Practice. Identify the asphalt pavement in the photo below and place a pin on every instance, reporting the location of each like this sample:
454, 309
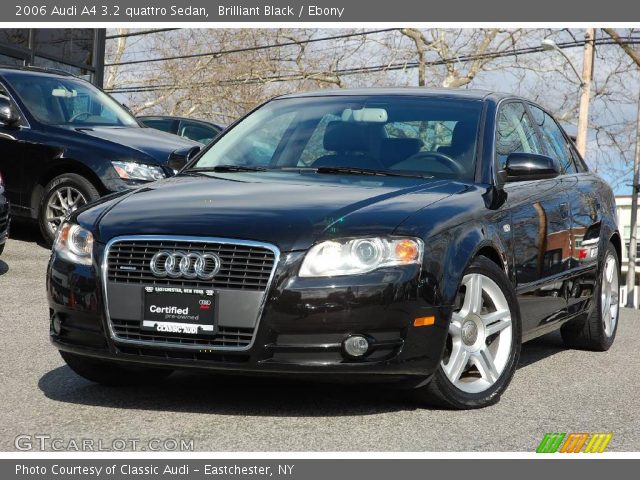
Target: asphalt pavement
44, 403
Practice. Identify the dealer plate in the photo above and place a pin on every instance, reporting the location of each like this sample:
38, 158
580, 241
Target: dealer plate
189, 311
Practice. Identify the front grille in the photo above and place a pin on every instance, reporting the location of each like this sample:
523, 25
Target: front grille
244, 267
227, 337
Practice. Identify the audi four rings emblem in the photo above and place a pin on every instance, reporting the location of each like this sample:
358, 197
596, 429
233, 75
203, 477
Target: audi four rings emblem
191, 265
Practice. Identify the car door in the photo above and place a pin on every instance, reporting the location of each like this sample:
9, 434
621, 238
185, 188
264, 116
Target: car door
540, 223
585, 207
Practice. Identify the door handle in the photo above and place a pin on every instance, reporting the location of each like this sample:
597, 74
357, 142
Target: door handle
564, 210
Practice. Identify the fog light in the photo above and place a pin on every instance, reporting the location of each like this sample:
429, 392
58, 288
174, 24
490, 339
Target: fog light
56, 322
356, 345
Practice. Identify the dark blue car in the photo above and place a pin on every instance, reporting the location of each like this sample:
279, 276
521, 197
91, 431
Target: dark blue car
65, 143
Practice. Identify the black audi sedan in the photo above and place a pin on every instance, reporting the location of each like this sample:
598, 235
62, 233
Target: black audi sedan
64, 143
410, 236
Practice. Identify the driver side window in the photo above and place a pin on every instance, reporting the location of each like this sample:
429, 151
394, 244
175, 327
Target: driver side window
514, 133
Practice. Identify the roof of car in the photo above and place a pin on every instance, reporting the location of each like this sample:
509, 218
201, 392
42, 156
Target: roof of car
38, 71
470, 94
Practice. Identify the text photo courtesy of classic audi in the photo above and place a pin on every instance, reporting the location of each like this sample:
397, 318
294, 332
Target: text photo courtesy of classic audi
409, 236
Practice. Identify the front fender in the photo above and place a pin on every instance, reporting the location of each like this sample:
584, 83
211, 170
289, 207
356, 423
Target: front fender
448, 254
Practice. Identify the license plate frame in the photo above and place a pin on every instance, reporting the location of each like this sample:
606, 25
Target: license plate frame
176, 310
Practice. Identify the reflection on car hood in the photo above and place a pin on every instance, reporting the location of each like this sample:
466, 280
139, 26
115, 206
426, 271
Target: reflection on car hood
150, 142
287, 209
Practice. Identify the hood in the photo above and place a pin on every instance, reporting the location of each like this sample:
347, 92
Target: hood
150, 144
289, 210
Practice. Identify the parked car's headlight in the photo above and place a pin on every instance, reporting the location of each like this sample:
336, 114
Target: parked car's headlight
360, 255
137, 171
74, 243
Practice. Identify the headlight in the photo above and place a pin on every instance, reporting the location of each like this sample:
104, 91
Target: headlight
74, 243
360, 255
137, 171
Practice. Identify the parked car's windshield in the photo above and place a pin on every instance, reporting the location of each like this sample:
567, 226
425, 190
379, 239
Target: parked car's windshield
396, 134
68, 101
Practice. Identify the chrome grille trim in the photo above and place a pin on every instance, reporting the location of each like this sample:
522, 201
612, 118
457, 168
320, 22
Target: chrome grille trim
219, 346
243, 267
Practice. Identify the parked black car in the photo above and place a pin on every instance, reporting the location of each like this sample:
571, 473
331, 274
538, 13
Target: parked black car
197, 130
64, 143
412, 236
4, 216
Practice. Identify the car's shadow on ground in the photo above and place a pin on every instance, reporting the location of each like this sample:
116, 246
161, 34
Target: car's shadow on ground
228, 395
239, 395
26, 231
4, 268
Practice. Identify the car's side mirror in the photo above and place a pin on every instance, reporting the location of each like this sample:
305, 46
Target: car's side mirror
8, 116
522, 166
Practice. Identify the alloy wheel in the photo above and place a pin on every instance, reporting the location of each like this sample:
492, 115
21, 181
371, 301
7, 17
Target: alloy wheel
61, 203
609, 295
480, 336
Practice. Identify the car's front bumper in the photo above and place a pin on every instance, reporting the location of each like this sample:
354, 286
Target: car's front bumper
300, 330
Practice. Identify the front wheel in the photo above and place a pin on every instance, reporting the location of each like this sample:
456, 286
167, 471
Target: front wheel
63, 195
483, 344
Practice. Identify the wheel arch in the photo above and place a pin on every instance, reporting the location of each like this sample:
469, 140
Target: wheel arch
60, 168
459, 248
616, 241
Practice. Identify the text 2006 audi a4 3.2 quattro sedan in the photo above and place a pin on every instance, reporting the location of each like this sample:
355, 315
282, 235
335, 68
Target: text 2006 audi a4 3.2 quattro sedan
412, 236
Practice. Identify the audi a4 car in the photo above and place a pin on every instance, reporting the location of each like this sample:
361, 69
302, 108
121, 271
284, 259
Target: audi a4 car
65, 143
410, 236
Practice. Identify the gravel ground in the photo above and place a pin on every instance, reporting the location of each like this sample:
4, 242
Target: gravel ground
554, 390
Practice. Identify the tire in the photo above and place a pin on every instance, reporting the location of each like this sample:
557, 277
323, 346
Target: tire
112, 374
496, 343
2, 248
596, 331
79, 187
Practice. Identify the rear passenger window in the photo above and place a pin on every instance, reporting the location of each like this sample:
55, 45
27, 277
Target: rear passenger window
514, 133
554, 140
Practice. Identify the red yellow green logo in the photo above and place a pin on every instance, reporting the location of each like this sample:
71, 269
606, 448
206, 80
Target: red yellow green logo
574, 442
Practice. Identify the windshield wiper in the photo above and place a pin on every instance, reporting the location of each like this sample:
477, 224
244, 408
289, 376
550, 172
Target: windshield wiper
366, 171
228, 168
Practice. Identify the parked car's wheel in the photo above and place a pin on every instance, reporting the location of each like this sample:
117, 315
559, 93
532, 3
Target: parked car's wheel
63, 195
112, 374
483, 345
598, 330
1, 248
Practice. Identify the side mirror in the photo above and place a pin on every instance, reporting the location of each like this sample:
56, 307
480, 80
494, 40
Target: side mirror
8, 115
530, 166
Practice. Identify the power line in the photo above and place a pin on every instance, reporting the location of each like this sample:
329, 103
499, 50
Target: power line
370, 69
142, 32
362, 70
251, 49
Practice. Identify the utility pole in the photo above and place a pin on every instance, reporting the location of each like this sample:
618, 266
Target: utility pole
585, 94
633, 242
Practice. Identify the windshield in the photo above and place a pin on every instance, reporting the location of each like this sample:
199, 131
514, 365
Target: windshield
68, 101
396, 134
